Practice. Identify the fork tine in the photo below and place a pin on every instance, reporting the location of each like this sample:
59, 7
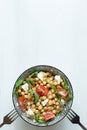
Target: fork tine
11, 112
68, 117
73, 112
14, 118
69, 114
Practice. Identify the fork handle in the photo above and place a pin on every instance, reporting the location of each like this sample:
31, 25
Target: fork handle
1, 124
83, 127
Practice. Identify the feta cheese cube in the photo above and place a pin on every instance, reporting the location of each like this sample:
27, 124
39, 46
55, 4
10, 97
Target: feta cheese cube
62, 102
25, 86
40, 75
58, 78
30, 112
44, 102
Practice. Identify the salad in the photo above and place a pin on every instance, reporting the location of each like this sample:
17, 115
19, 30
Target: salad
42, 95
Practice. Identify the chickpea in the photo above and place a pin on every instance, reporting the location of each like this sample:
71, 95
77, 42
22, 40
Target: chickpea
62, 83
39, 107
36, 111
44, 82
46, 74
51, 82
48, 80
33, 106
43, 98
50, 102
50, 108
57, 107
36, 79
29, 96
55, 83
34, 88
40, 117
45, 108
28, 103
43, 113
53, 95
42, 110
54, 111
26, 96
27, 79
41, 84
57, 103
22, 93
38, 104
50, 97
52, 91
40, 81
24, 82
33, 109
48, 85
49, 93
19, 91
53, 102
56, 99
26, 92
51, 78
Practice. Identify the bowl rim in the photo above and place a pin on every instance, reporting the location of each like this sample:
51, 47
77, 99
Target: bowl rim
37, 125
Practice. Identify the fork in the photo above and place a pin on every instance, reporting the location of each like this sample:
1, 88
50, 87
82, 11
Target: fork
9, 118
75, 119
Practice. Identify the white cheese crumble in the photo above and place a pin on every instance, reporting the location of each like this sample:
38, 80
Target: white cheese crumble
58, 78
30, 112
62, 102
25, 86
40, 75
44, 102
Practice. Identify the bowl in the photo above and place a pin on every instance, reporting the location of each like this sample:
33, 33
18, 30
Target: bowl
54, 71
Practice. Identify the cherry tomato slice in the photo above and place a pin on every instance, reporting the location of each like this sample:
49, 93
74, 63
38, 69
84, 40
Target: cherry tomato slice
49, 115
62, 92
22, 102
42, 90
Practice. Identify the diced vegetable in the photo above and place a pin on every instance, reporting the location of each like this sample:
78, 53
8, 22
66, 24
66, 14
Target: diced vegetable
22, 102
49, 115
62, 92
42, 90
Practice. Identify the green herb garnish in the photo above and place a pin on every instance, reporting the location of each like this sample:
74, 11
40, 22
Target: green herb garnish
40, 121
65, 86
35, 73
70, 96
58, 96
53, 87
36, 96
37, 116
30, 81
17, 84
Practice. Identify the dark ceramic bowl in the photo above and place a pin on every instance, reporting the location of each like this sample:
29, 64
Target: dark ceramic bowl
54, 71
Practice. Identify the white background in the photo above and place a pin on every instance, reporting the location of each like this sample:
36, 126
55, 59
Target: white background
50, 32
